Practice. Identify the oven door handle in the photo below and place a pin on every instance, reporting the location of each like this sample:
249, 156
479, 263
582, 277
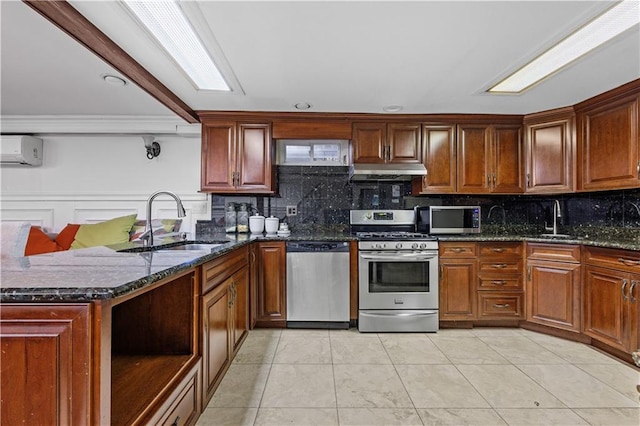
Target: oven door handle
401, 314
399, 256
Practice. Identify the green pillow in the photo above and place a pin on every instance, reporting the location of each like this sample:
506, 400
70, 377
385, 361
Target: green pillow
112, 231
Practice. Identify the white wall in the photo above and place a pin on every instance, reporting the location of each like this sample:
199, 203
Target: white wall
87, 178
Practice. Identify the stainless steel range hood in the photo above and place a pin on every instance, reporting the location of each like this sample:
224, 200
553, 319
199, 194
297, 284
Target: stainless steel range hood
388, 171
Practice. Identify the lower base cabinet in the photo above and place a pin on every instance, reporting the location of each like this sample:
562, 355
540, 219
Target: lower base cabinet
225, 315
553, 286
271, 284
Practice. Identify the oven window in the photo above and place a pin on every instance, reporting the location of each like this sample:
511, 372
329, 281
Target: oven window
398, 277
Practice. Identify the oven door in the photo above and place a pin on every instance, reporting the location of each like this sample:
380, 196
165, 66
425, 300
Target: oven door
398, 280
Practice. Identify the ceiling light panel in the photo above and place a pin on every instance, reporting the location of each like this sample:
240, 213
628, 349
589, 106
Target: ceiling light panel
613, 22
169, 26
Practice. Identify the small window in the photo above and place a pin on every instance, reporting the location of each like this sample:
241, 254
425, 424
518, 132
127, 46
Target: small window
294, 152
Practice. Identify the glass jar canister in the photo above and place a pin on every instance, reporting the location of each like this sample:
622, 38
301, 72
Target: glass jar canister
242, 219
230, 219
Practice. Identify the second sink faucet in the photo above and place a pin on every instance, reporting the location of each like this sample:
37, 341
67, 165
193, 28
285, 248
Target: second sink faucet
148, 232
557, 214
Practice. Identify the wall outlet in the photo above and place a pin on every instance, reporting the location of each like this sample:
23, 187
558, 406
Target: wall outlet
292, 210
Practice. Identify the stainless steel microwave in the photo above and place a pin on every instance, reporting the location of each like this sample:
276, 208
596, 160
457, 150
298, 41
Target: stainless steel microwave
448, 219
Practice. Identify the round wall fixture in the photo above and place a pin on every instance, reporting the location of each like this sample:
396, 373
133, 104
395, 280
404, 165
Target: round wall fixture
392, 108
114, 80
302, 105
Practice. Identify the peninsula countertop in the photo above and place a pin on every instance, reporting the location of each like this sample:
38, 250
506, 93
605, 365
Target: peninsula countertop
106, 272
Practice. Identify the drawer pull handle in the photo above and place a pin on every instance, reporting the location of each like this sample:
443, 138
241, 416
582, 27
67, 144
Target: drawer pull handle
633, 285
500, 305
499, 265
457, 249
624, 285
498, 249
499, 282
175, 422
628, 262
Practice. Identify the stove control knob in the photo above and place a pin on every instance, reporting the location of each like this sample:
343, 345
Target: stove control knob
383, 245
398, 245
414, 246
423, 245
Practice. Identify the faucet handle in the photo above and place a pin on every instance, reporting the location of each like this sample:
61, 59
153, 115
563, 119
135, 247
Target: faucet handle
145, 236
546, 227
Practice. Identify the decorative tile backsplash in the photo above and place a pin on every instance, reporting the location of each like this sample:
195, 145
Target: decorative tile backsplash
323, 197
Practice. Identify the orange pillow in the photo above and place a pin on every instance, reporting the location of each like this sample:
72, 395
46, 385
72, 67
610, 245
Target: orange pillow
65, 238
38, 242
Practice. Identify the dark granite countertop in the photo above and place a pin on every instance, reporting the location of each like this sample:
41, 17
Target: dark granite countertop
106, 273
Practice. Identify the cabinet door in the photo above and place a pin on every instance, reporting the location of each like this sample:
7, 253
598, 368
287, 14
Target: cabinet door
45, 375
218, 156
255, 163
240, 327
458, 289
271, 285
549, 156
553, 294
405, 143
369, 142
609, 145
216, 339
439, 156
507, 160
474, 150
604, 307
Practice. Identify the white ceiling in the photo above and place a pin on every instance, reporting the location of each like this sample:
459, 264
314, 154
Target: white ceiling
430, 57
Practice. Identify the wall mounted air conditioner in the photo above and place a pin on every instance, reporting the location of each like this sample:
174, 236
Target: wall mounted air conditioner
20, 150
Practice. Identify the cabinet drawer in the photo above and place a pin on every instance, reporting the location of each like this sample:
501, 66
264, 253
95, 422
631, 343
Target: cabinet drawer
183, 406
506, 266
500, 282
218, 270
504, 305
500, 249
462, 249
554, 252
623, 260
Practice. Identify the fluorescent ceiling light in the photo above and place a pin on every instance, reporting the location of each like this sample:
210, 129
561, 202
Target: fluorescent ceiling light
167, 23
614, 21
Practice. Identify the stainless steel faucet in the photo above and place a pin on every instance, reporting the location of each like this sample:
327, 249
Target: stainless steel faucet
504, 214
557, 213
148, 232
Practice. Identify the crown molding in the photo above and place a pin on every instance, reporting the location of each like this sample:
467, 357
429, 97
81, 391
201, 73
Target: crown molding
81, 124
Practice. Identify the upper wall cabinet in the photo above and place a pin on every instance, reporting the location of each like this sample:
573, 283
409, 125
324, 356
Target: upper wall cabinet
550, 151
439, 158
489, 159
608, 132
379, 142
237, 157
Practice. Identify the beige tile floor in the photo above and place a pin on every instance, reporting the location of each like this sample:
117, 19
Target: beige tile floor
484, 376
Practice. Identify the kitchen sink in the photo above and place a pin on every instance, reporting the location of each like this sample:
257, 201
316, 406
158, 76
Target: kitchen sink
191, 247
559, 236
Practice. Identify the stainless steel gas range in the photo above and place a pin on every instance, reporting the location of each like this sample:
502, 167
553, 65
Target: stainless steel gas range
398, 273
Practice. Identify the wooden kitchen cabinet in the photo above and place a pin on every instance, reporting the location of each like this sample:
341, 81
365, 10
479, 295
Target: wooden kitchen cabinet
225, 314
439, 158
553, 285
271, 284
458, 275
608, 133
46, 364
500, 287
489, 159
611, 289
550, 151
237, 157
379, 142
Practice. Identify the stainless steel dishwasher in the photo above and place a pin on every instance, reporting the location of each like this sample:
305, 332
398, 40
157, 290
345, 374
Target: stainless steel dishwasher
317, 284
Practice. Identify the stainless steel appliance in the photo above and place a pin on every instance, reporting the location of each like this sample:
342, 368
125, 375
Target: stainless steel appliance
398, 273
448, 219
317, 284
